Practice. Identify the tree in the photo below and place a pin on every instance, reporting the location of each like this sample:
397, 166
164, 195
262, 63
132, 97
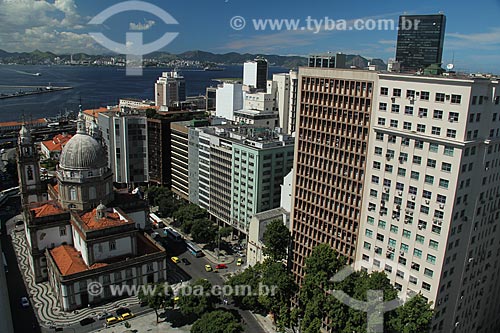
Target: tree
150, 113
196, 299
164, 199
156, 297
415, 316
217, 322
281, 289
203, 231
250, 278
224, 232
276, 240
186, 215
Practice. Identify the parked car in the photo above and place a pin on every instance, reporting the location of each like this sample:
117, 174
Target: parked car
221, 266
25, 303
239, 262
208, 268
110, 320
175, 260
125, 316
102, 315
185, 261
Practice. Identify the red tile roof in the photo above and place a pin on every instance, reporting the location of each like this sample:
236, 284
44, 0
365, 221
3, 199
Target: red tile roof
56, 188
57, 143
110, 220
48, 209
19, 123
92, 112
70, 261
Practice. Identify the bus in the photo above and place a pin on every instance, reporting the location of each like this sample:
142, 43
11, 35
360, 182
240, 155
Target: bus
171, 233
194, 250
156, 222
5, 263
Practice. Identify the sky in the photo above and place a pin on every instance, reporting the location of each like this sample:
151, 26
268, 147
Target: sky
62, 26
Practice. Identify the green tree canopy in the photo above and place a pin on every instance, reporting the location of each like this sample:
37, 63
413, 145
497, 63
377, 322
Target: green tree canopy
158, 298
217, 322
276, 240
196, 299
203, 231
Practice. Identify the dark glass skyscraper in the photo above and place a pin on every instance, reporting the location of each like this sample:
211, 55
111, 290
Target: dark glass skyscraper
420, 41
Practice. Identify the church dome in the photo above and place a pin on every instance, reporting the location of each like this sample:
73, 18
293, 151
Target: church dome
82, 152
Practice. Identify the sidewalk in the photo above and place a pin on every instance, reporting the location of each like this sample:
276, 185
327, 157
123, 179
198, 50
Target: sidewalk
265, 323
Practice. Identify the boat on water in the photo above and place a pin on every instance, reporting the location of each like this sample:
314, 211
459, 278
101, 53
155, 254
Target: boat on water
213, 68
38, 74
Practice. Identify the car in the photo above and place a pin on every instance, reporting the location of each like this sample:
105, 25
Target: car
239, 262
102, 315
125, 316
240, 254
155, 235
87, 321
185, 261
121, 311
25, 303
208, 268
176, 299
175, 260
110, 320
221, 266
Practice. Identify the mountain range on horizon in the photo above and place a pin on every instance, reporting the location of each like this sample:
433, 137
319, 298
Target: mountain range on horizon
233, 58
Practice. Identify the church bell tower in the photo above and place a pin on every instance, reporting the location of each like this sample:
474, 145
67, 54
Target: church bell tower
30, 185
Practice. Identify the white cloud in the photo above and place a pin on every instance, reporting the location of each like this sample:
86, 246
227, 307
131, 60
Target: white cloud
142, 26
26, 25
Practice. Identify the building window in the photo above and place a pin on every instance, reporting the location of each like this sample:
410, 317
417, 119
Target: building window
446, 167
401, 172
431, 163
369, 233
72, 194
112, 245
392, 243
381, 121
396, 92
436, 130
367, 245
394, 123
406, 233
407, 126
424, 95
443, 183
438, 114
29, 172
421, 128
417, 253
448, 151
381, 224
454, 117
62, 231
451, 133
384, 91
413, 280
382, 106
429, 179
431, 259
426, 286
394, 229
456, 99
428, 272
415, 175
419, 144
433, 244
395, 108
408, 110
440, 97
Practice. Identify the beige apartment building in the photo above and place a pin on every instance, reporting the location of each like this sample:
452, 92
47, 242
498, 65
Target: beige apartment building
400, 173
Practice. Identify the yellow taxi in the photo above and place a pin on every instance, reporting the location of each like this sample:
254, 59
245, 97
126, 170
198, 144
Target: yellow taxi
208, 268
175, 260
126, 315
111, 320
239, 262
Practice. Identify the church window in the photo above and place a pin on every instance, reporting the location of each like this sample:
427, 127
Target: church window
72, 194
29, 172
112, 245
62, 231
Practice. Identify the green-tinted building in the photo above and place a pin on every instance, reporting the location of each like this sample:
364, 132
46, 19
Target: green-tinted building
258, 168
